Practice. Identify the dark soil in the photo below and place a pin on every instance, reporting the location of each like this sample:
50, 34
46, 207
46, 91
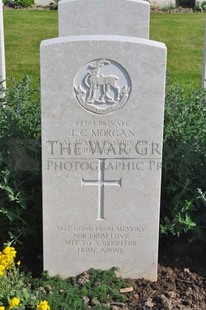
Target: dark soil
181, 281
176, 288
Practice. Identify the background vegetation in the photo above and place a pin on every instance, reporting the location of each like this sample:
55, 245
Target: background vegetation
182, 33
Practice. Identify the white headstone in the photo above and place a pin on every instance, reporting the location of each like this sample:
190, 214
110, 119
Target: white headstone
2, 48
43, 2
108, 17
102, 128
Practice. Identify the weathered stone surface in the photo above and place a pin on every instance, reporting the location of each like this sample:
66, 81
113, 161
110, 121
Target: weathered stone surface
116, 17
102, 125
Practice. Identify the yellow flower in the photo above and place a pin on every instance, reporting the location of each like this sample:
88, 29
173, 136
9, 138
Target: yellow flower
15, 301
8, 250
2, 269
43, 305
18, 264
7, 257
2, 308
3, 259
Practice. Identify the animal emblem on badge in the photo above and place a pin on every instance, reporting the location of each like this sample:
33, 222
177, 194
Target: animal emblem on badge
102, 86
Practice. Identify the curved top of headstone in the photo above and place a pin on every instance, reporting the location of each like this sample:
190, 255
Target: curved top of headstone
104, 17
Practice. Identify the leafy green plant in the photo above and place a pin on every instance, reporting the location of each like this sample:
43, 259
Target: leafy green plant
95, 288
184, 163
15, 290
20, 176
186, 3
200, 6
18, 3
54, 5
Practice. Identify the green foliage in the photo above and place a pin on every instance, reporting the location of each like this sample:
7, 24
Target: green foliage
15, 287
54, 5
18, 3
20, 111
184, 164
20, 177
200, 6
186, 3
14, 284
94, 288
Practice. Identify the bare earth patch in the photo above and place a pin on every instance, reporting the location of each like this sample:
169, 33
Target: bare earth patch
175, 289
181, 281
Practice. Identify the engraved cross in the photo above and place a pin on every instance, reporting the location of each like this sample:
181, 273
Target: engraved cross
101, 182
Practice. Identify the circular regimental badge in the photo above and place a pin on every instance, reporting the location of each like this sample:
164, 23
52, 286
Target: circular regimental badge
102, 86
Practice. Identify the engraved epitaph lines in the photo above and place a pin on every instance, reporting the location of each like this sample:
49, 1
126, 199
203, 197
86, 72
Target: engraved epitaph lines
101, 182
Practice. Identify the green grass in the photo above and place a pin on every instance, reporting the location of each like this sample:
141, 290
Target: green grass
182, 33
24, 30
